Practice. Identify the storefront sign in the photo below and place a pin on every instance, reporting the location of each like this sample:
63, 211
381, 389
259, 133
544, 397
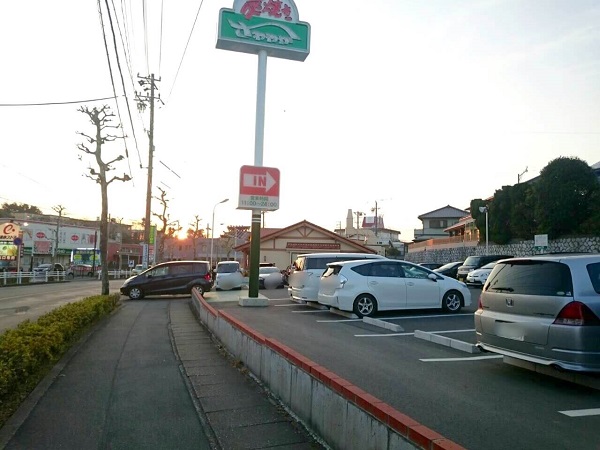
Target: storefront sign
9, 231
312, 246
270, 25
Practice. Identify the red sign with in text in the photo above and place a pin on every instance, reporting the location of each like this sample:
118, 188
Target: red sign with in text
259, 188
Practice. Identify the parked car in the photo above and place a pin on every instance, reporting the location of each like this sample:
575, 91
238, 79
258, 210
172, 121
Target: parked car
169, 278
543, 309
139, 268
228, 275
431, 266
270, 277
475, 262
366, 287
82, 270
450, 269
477, 277
304, 278
43, 268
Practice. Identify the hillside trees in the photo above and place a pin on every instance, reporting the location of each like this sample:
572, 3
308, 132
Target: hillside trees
563, 200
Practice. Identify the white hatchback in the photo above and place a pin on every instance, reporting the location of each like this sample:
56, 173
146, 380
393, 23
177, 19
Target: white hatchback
366, 287
478, 277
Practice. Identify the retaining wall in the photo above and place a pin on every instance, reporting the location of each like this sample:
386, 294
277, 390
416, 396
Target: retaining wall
343, 415
522, 248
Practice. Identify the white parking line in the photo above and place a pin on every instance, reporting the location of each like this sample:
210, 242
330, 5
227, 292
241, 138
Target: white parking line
384, 335
582, 412
472, 358
425, 317
339, 320
308, 312
287, 304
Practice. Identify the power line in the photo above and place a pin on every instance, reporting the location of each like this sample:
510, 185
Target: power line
61, 103
186, 47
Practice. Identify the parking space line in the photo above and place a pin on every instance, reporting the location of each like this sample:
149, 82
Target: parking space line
425, 317
288, 304
384, 335
339, 320
472, 358
309, 312
582, 412
450, 331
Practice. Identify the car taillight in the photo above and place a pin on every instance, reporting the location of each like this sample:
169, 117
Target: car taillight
576, 314
207, 277
479, 304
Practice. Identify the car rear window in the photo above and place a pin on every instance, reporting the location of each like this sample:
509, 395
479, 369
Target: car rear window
472, 261
531, 278
227, 268
594, 273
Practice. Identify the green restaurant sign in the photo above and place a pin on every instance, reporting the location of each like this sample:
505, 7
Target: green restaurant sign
270, 25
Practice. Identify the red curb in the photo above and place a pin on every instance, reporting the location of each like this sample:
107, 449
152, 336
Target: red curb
351, 391
213, 312
423, 436
338, 384
400, 422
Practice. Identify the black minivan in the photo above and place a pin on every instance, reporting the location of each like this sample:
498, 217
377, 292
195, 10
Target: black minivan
475, 262
170, 278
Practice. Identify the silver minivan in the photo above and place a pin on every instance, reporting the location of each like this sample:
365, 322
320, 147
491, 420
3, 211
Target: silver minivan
543, 309
305, 277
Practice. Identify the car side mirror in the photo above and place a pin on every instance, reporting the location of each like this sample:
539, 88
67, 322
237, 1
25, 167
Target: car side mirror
433, 277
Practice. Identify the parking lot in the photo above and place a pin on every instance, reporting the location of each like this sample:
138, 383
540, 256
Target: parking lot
475, 399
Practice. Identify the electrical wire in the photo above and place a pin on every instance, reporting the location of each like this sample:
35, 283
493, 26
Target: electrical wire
122, 80
162, 4
112, 29
59, 103
186, 47
145, 18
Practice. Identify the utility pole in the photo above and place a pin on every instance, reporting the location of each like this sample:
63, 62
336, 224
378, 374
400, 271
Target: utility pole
358, 215
59, 209
148, 84
520, 175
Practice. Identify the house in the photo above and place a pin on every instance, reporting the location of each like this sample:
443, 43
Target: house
436, 223
282, 246
373, 234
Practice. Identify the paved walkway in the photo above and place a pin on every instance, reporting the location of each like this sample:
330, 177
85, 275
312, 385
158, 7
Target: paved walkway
150, 377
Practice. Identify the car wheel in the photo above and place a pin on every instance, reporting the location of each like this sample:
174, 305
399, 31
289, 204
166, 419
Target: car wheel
452, 301
199, 288
365, 305
135, 293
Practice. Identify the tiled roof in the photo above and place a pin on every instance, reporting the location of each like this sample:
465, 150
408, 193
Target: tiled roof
444, 213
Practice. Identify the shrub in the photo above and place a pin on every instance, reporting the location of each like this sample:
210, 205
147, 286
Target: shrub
29, 351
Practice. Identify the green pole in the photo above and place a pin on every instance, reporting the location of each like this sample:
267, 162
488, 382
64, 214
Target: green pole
254, 255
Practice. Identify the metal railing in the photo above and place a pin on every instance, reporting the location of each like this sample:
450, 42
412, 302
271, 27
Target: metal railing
15, 278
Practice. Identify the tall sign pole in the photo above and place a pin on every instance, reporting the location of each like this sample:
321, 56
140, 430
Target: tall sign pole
266, 28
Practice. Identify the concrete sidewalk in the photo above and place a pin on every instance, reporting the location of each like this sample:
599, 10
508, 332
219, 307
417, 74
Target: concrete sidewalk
150, 377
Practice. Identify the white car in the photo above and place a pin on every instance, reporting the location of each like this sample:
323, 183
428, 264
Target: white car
366, 287
228, 275
479, 276
139, 268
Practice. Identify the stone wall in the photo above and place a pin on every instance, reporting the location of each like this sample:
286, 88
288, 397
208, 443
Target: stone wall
522, 248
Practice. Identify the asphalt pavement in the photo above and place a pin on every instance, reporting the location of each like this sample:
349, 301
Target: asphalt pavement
151, 377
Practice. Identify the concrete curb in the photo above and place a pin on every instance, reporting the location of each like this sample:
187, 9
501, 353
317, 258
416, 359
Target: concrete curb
446, 341
342, 414
383, 324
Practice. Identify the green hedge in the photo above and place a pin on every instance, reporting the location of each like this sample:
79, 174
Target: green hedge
29, 351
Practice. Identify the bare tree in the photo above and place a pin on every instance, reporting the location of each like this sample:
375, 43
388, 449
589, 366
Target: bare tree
101, 119
194, 233
167, 230
234, 236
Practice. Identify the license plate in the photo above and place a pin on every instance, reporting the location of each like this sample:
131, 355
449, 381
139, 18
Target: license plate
509, 331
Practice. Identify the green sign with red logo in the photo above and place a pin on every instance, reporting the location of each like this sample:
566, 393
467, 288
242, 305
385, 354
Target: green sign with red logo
271, 25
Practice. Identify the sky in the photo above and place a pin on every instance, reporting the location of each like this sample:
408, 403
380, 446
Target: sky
404, 104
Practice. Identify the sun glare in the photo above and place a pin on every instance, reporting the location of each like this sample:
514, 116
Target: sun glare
181, 235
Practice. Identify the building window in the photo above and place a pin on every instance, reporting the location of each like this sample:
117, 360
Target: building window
438, 223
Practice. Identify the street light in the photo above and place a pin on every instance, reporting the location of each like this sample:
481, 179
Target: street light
485, 209
212, 232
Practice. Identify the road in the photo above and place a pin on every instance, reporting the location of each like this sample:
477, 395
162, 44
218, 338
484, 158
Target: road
19, 303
